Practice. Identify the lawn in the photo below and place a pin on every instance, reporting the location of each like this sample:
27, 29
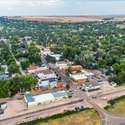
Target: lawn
117, 106
86, 117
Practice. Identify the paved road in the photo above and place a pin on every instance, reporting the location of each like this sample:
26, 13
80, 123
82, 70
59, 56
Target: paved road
107, 118
116, 91
38, 113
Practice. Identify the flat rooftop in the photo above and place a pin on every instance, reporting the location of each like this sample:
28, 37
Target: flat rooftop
45, 97
78, 76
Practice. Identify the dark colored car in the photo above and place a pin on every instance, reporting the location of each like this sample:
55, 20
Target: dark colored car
1, 111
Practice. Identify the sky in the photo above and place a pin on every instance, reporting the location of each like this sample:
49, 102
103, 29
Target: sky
61, 7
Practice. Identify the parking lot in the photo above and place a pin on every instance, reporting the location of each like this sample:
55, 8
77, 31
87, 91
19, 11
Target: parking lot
13, 107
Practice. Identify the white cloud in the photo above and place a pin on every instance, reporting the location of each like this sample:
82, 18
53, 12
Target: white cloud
61, 7
36, 2
24, 4
8, 2
43, 2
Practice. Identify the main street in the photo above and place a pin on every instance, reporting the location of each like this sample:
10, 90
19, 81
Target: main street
40, 113
107, 118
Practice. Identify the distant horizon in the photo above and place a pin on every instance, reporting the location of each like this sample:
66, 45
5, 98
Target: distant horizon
113, 15
62, 7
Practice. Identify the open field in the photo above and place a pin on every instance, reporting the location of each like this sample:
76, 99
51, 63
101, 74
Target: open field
86, 117
117, 106
69, 18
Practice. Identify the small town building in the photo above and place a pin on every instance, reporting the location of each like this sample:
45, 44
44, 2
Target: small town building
68, 65
62, 65
59, 95
36, 69
4, 75
47, 79
38, 100
47, 83
60, 85
56, 56
90, 86
44, 99
43, 83
78, 78
87, 73
76, 68
46, 74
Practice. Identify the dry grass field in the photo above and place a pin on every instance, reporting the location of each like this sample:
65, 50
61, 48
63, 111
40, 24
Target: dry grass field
64, 18
68, 19
118, 108
87, 117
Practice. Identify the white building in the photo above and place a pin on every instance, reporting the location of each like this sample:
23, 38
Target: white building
39, 99
62, 65
90, 87
47, 83
45, 75
88, 74
47, 78
56, 56
44, 99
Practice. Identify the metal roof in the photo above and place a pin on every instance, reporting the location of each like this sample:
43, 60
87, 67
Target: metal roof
29, 98
58, 94
44, 98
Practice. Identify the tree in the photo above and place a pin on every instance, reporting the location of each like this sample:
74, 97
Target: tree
119, 71
22, 82
25, 64
13, 68
34, 55
4, 88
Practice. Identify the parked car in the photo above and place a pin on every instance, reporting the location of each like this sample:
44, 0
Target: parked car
1, 111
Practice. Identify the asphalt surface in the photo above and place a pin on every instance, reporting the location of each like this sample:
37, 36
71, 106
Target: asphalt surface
106, 117
30, 115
